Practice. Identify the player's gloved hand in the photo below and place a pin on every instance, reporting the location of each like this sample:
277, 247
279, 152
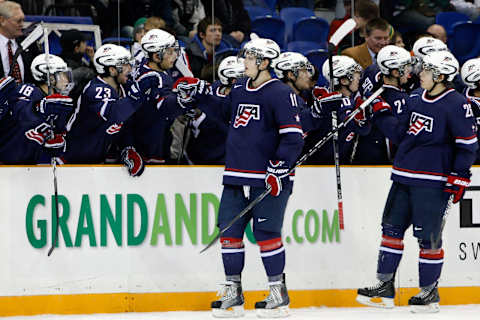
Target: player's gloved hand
40, 134
361, 117
275, 172
134, 92
379, 106
57, 107
325, 102
133, 161
56, 142
188, 88
456, 185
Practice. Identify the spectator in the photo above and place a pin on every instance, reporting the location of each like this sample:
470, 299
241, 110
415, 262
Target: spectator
397, 40
234, 19
138, 33
74, 49
201, 49
438, 32
377, 33
186, 16
11, 23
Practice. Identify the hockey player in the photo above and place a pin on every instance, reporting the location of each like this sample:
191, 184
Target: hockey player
436, 138
470, 74
34, 127
264, 140
207, 145
394, 64
148, 130
106, 102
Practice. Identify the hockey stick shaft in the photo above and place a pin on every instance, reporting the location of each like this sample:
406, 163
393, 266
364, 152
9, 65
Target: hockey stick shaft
336, 155
31, 38
299, 162
185, 138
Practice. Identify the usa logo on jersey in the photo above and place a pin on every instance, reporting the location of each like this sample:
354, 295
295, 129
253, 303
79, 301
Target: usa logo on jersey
419, 122
246, 112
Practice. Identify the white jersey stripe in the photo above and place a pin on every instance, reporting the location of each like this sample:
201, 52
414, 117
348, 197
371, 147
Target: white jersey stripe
244, 174
290, 130
466, 141
272, 253
418, 175
396, 251
232, 250
430, 261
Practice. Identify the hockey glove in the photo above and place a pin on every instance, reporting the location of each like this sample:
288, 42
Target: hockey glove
361, 117
134, 92
58, 107
276, 170
40, 134
133, 161
187, 88
324, 102
379, 106
456, 185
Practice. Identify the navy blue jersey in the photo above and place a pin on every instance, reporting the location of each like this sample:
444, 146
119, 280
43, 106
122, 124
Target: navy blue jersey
148, 130
370, 79
375, 148
475, 103
435, 136
98, 119
264, 125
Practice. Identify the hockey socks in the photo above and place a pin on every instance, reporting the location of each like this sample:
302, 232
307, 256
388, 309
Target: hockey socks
272, 252
389, 256
430, 266
233, 255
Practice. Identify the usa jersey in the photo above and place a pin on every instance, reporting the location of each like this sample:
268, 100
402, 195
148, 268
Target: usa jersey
264, 125
148, 130
375, 148
475, 103
435, 136
370, 79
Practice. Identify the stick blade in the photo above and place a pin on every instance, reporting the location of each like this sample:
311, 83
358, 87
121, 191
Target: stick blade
341, 32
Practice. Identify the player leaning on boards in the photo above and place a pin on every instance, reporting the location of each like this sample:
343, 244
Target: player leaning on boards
470, 74
264, 140
437, 143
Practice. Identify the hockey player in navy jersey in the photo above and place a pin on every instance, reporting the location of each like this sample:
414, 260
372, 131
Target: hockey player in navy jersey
394, 64
148, 130
207, 145
105, 104
264, 141
34, 127
437, 143
470, 74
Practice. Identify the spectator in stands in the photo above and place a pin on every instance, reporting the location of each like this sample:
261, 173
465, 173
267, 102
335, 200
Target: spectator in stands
186, 16
234, 18
11, 23
138, 33
74, 48
438, 32
377, 32
397, 40
201, 49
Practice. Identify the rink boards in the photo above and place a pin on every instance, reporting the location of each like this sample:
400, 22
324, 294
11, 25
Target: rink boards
132, 244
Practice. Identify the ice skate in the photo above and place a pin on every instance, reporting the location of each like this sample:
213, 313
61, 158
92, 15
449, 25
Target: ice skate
230, 304
427, 301
383, 291
276, 304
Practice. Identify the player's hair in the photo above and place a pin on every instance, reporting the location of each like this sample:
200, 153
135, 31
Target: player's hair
366, 9
7, 7
207, 21
377, 24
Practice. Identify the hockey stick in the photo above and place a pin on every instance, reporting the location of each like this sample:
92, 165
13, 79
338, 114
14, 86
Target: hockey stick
54, 161
300, 161
185, 138
31, 38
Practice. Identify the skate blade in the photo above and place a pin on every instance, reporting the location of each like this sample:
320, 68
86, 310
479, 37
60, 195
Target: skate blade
233, 312
386, 303
431, 308
280, 312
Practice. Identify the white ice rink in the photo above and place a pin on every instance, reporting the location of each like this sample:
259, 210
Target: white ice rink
447, 312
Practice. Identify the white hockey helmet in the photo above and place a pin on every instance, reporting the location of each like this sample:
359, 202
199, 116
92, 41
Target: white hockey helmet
292, 61
262, 49
231, 68
111, 55
392, 57
441, 62
343, 66
470, 73
157, 41
426, 45
61, 77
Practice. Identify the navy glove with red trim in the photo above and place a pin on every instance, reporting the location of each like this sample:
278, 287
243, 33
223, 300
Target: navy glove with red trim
133, 161
325, 102
187, 88
456, 185
275, 173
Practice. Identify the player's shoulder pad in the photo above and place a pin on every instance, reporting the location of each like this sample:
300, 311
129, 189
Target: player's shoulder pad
29, 92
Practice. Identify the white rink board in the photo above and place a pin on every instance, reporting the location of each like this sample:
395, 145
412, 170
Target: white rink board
178, 267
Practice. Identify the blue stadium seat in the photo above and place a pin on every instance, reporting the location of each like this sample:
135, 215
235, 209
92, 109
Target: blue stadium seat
271, 28
317, 58
271, 4
311, 29
448, 18
305, 46
292, 15
477, 20
60, 19
254, 12
465, 41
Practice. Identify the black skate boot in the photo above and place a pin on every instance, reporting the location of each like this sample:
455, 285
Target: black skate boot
230, 304
276, 304
383, 290
426, 301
